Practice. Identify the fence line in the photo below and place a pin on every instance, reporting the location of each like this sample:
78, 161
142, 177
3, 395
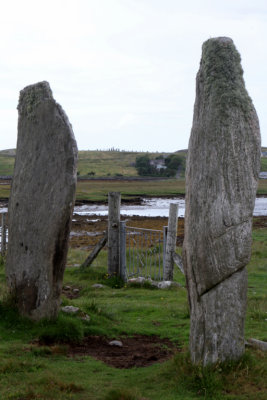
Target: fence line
144, 252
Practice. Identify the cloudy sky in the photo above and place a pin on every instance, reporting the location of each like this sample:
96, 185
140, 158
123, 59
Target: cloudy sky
124, 70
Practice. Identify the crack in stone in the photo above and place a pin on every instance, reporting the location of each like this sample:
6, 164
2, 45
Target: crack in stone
221, 281
228, 228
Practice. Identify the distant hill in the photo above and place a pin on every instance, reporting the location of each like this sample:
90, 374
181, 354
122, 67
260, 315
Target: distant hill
98, 163
9, 152
91, 163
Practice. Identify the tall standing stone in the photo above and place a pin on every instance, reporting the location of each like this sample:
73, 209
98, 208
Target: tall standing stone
222, 171
41, 203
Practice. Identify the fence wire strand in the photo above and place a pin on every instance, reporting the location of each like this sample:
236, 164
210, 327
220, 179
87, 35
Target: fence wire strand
144, 255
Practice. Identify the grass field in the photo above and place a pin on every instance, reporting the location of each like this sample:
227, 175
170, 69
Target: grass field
264, 164
98, 190
109, 163
96, 163
6, 164
45, 372
99, 163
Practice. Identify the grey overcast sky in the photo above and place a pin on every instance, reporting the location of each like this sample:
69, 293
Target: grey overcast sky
124, 70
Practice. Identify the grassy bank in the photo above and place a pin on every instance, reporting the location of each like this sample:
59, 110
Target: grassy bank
97, 190
30, 370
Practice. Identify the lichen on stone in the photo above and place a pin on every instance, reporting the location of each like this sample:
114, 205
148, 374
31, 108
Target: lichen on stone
31, 96
221, 74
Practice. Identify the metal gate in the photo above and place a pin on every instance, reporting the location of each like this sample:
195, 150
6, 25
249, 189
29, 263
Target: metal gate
142, 252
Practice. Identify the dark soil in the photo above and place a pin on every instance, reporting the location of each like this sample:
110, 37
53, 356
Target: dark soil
137, 351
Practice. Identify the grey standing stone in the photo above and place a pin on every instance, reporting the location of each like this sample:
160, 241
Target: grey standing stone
41, 203
222, 172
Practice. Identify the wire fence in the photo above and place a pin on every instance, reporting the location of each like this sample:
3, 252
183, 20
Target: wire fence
144, 252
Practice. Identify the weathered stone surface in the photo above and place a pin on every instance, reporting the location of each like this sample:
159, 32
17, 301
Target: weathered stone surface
222, 172
217, 321
41, 202
164, 284
258, 344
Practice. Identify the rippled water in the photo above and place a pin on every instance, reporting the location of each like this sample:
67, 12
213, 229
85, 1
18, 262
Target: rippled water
156, 207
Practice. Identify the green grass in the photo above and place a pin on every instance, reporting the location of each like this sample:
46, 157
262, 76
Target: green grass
96, 190
6, 164
28, 371
263, 163
107, 163
256, 324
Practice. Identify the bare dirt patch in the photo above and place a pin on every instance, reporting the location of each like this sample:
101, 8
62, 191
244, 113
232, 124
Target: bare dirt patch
137, 351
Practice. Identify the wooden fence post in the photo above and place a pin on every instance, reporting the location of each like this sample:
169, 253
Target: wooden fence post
171, 242
94, 253
123, 273
3, 236
114, 202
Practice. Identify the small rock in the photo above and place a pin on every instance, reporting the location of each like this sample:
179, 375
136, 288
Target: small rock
140, 280
132, 280
117, 343
70, 309
98, 286
67, 288
164, 284
76, 291
86, 318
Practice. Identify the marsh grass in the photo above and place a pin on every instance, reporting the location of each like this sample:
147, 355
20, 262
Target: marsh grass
97, 190
215, 381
